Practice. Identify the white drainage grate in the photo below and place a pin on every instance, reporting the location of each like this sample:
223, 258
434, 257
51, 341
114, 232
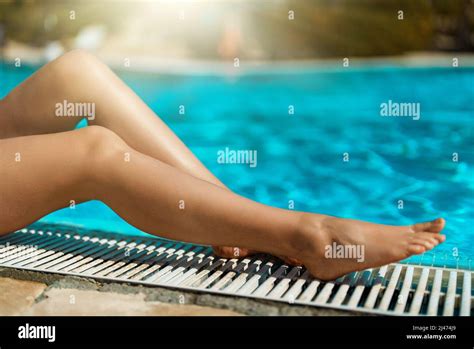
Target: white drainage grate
395, 289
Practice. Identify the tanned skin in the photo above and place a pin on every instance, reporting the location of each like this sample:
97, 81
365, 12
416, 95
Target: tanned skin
128, 158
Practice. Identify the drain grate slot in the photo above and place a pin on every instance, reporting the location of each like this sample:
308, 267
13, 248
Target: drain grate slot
395, 289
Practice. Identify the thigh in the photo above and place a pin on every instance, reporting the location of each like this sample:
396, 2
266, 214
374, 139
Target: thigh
40, 174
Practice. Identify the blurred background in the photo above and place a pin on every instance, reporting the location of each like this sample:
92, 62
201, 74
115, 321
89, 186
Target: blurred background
301, 105
250, 30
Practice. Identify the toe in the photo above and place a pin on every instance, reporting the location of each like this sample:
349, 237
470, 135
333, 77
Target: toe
232, 252
416, 249
430, 236
434, 226
426, 243
434, 236
291, 261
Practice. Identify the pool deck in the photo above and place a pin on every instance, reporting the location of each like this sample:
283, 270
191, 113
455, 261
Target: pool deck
41, 294
51, 280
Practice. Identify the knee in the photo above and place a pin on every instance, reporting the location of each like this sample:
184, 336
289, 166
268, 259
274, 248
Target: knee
104, 149
77, 65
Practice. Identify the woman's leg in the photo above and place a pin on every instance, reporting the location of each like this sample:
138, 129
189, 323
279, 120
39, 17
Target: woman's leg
80, 77
43, 173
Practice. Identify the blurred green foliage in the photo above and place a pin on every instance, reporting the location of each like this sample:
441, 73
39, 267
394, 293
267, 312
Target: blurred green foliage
321, 28
24, 20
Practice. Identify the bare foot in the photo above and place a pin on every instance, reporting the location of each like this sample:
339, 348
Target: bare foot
337, 246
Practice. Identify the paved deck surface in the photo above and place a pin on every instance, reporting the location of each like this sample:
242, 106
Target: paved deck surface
35, 293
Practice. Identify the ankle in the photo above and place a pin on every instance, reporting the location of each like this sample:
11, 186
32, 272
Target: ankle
309, 238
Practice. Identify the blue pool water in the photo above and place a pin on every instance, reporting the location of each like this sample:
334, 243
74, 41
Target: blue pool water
300, 156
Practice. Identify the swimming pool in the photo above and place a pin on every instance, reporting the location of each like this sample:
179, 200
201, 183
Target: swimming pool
305, 124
